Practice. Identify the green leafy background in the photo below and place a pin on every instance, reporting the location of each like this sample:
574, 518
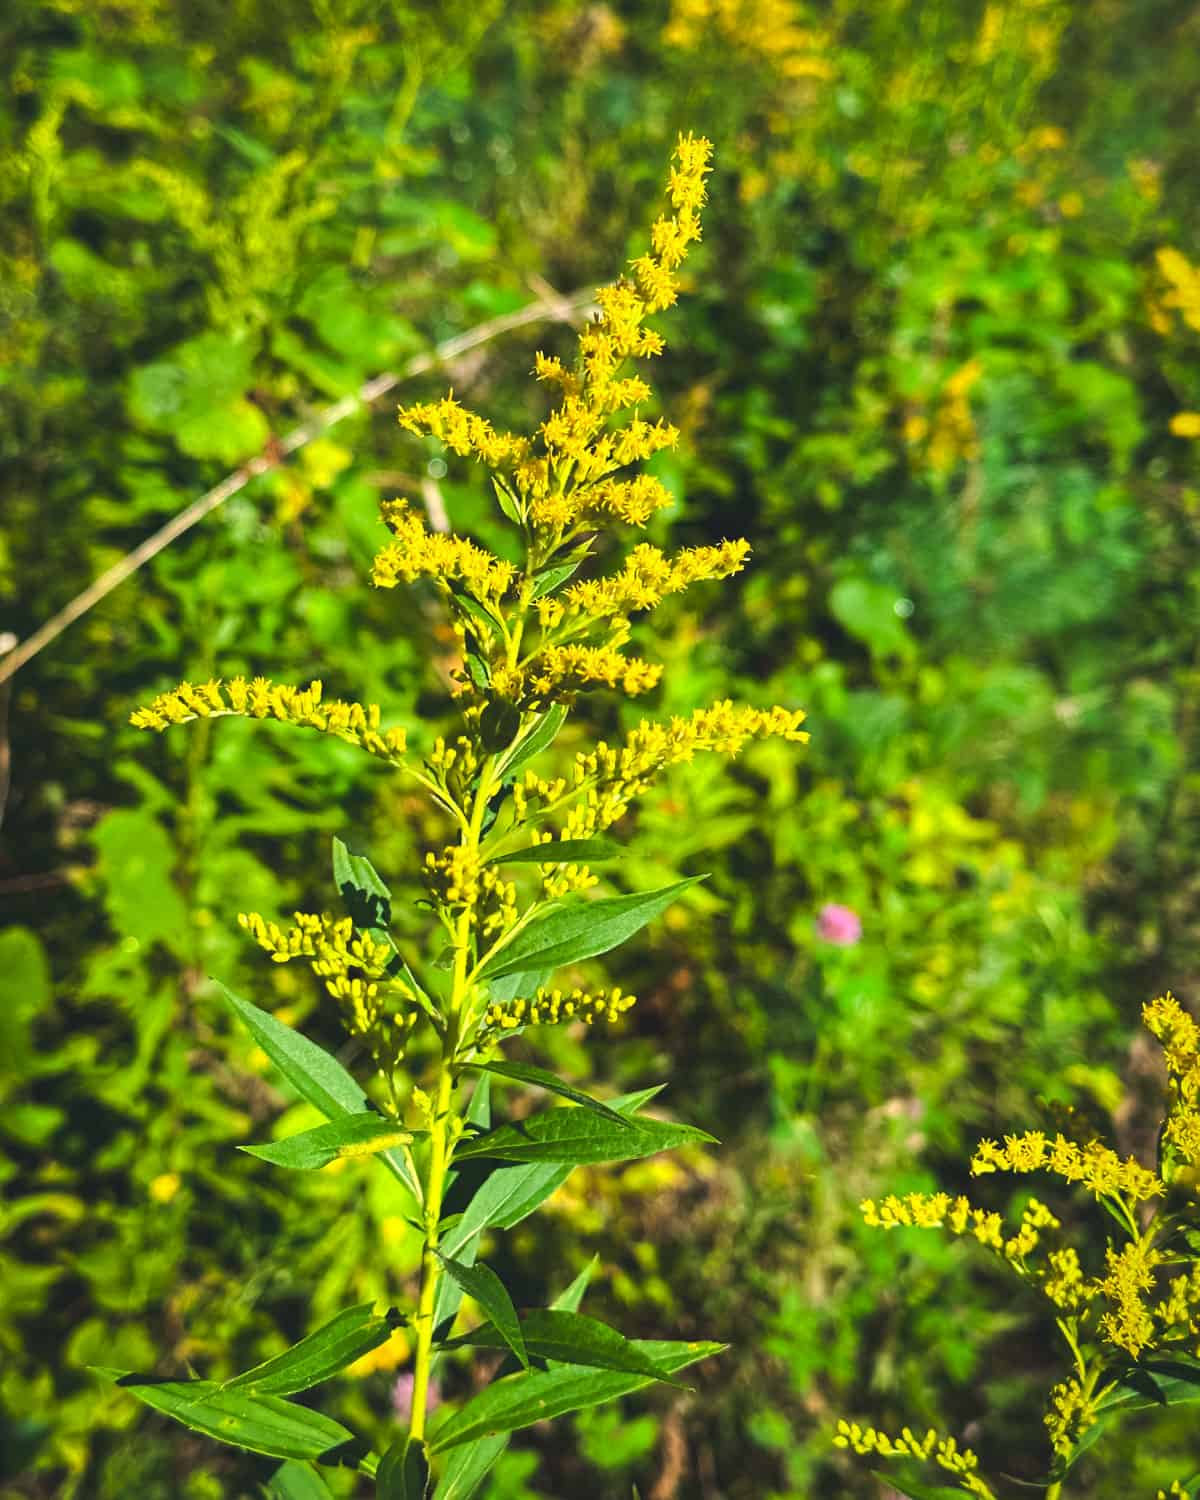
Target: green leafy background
919, 366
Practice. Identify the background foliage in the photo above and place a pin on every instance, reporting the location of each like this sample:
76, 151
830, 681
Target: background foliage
929, 365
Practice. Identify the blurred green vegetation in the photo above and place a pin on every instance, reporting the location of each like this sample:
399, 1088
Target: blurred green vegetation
929, 363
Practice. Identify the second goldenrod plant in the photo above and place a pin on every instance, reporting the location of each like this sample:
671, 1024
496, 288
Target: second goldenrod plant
1128, 1311
512, 891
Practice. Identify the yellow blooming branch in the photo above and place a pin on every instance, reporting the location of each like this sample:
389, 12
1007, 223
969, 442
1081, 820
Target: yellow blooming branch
357, 723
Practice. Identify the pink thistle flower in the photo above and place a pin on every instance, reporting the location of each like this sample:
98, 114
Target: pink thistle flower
840, 925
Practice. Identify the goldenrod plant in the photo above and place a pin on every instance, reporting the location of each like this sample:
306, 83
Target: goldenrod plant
512, 891
1128, 1309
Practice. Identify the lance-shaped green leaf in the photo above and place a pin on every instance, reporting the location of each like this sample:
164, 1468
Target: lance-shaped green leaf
571, 1296
551, 1082
562, 852
403, 1472
362, 1134
511, 1194
490, 1292
521, 1400
539, 738
468, 1466
297, 1481
578, 1136
581, 929
321, 1354
260, 1424
547, 579
309, 1069
366, 899
570, 1339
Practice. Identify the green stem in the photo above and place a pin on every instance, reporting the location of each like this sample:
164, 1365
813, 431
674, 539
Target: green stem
441, 1139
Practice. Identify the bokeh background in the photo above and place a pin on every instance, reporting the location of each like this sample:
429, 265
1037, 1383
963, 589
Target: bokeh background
937, 360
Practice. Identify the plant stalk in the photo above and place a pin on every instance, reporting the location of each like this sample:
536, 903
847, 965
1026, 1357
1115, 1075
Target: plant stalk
441, 1141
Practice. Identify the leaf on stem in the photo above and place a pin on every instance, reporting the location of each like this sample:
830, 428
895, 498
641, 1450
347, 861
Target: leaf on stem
551, 1082
592, 851
490, 1292
581, 929
321, 1354
579, 1136
311, 1071
569, 1338
362, 1134
468, 1466
366, 899
260, 1424
539, 738
297, 1481
521, 1400
403, 1472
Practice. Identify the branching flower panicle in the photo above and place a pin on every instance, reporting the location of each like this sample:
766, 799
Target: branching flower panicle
1122, 1308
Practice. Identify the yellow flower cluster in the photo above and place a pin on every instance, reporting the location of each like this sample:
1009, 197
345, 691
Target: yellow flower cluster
418, 552
566, 485
612, 776
1131, 1269
939, 1210
633, 501
945, 1452
457, 878
1098, 1168
767, 31
357, 723
352, 964
556, 673
1184, 281
1166, 1019
1069, 1414
463, 431
646, 579
549, 1007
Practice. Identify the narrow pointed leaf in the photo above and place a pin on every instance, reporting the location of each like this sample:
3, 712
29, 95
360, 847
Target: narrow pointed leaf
362, 1134
572, 1339
490, 1292
551, 1082
562, 852
468, 1466
310, 1070
511, 1194
366, 899
521, 1400
321, 1354
539, 738
550, 578
582, 929
403, 1472
297, 1481
507, 501
570, 1297
521, 983
578, 1136
260, 1424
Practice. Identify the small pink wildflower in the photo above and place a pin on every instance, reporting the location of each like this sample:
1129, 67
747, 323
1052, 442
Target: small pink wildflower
402, 1395
840, 925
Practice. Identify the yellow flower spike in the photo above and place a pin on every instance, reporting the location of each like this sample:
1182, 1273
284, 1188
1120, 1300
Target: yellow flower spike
356, 723
419, 552
1094, 1166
